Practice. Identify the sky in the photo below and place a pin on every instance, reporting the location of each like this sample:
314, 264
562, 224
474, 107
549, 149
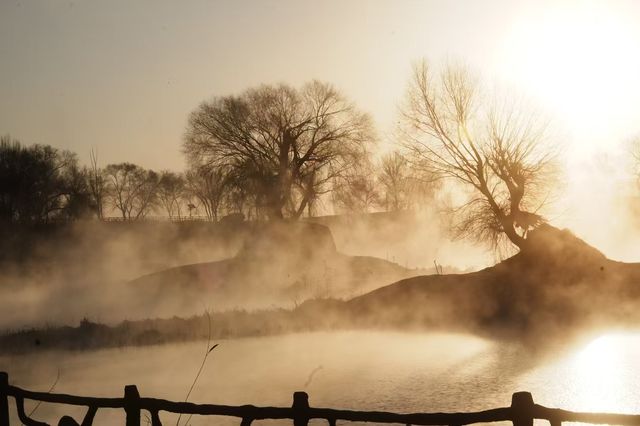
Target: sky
122, 76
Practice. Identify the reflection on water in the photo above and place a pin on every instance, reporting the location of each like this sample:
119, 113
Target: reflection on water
602, 375
601, 367
356, 370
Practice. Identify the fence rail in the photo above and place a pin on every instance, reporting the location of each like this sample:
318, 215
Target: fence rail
522, 411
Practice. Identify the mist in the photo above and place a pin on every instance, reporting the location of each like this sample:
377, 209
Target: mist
401, 207
92, 262
99, 263
415, 372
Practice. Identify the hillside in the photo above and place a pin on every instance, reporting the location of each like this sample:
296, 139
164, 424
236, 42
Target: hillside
557, 283
278, 265
555, 288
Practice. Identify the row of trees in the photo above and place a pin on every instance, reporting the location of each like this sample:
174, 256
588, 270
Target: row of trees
391, 184
291, 146
39, 184
280, 152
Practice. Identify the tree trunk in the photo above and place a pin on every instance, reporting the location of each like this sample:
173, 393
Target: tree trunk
303, 204
508, 225
282, 191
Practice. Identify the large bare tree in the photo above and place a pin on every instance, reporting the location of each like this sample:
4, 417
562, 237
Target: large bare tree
286, 137
499, 150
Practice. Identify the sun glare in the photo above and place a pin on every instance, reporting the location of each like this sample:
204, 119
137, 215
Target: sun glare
580, 61
600, 374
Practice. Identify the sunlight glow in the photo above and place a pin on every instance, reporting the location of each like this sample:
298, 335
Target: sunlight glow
600, 374
579, 59
578, 62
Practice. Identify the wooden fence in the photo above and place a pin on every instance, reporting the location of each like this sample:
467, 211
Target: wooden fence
522, 411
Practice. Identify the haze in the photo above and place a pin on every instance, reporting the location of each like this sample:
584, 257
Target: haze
360, 198
122, 77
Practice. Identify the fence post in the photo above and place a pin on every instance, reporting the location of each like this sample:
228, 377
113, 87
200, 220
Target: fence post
522, 409
300, 409
4, 399
132, 405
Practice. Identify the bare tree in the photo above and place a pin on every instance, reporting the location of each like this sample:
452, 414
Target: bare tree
281, 134
209, 187
97, 185
77, 202
392, 177
404, 186
171, 191
499, 151
39, 183
397, 182
357, 192
132, 189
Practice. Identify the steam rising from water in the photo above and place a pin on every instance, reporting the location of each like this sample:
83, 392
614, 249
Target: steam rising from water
84, 270
403, 372
81, 271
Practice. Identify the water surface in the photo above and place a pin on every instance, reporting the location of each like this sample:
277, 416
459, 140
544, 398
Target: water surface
402, 372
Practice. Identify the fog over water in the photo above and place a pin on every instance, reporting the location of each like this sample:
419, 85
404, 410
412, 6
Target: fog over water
96, 262
415, 206
359, 370
400, 372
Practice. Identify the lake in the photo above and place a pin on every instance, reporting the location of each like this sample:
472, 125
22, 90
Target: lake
402, 372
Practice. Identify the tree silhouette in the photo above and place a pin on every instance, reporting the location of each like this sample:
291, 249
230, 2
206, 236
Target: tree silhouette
132, 189
39, 183
499, 151
77, 200
357, 192
280, 135
97, 185
171, 192
402, 185
209, 187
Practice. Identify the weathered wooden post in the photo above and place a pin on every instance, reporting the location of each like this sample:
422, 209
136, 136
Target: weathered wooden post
4, 399
132, 405
522, 409
300, 409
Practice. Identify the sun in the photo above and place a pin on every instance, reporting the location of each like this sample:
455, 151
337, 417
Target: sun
580, 60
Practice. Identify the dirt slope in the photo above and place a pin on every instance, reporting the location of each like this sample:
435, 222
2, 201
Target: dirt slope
558, 282
281, 265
